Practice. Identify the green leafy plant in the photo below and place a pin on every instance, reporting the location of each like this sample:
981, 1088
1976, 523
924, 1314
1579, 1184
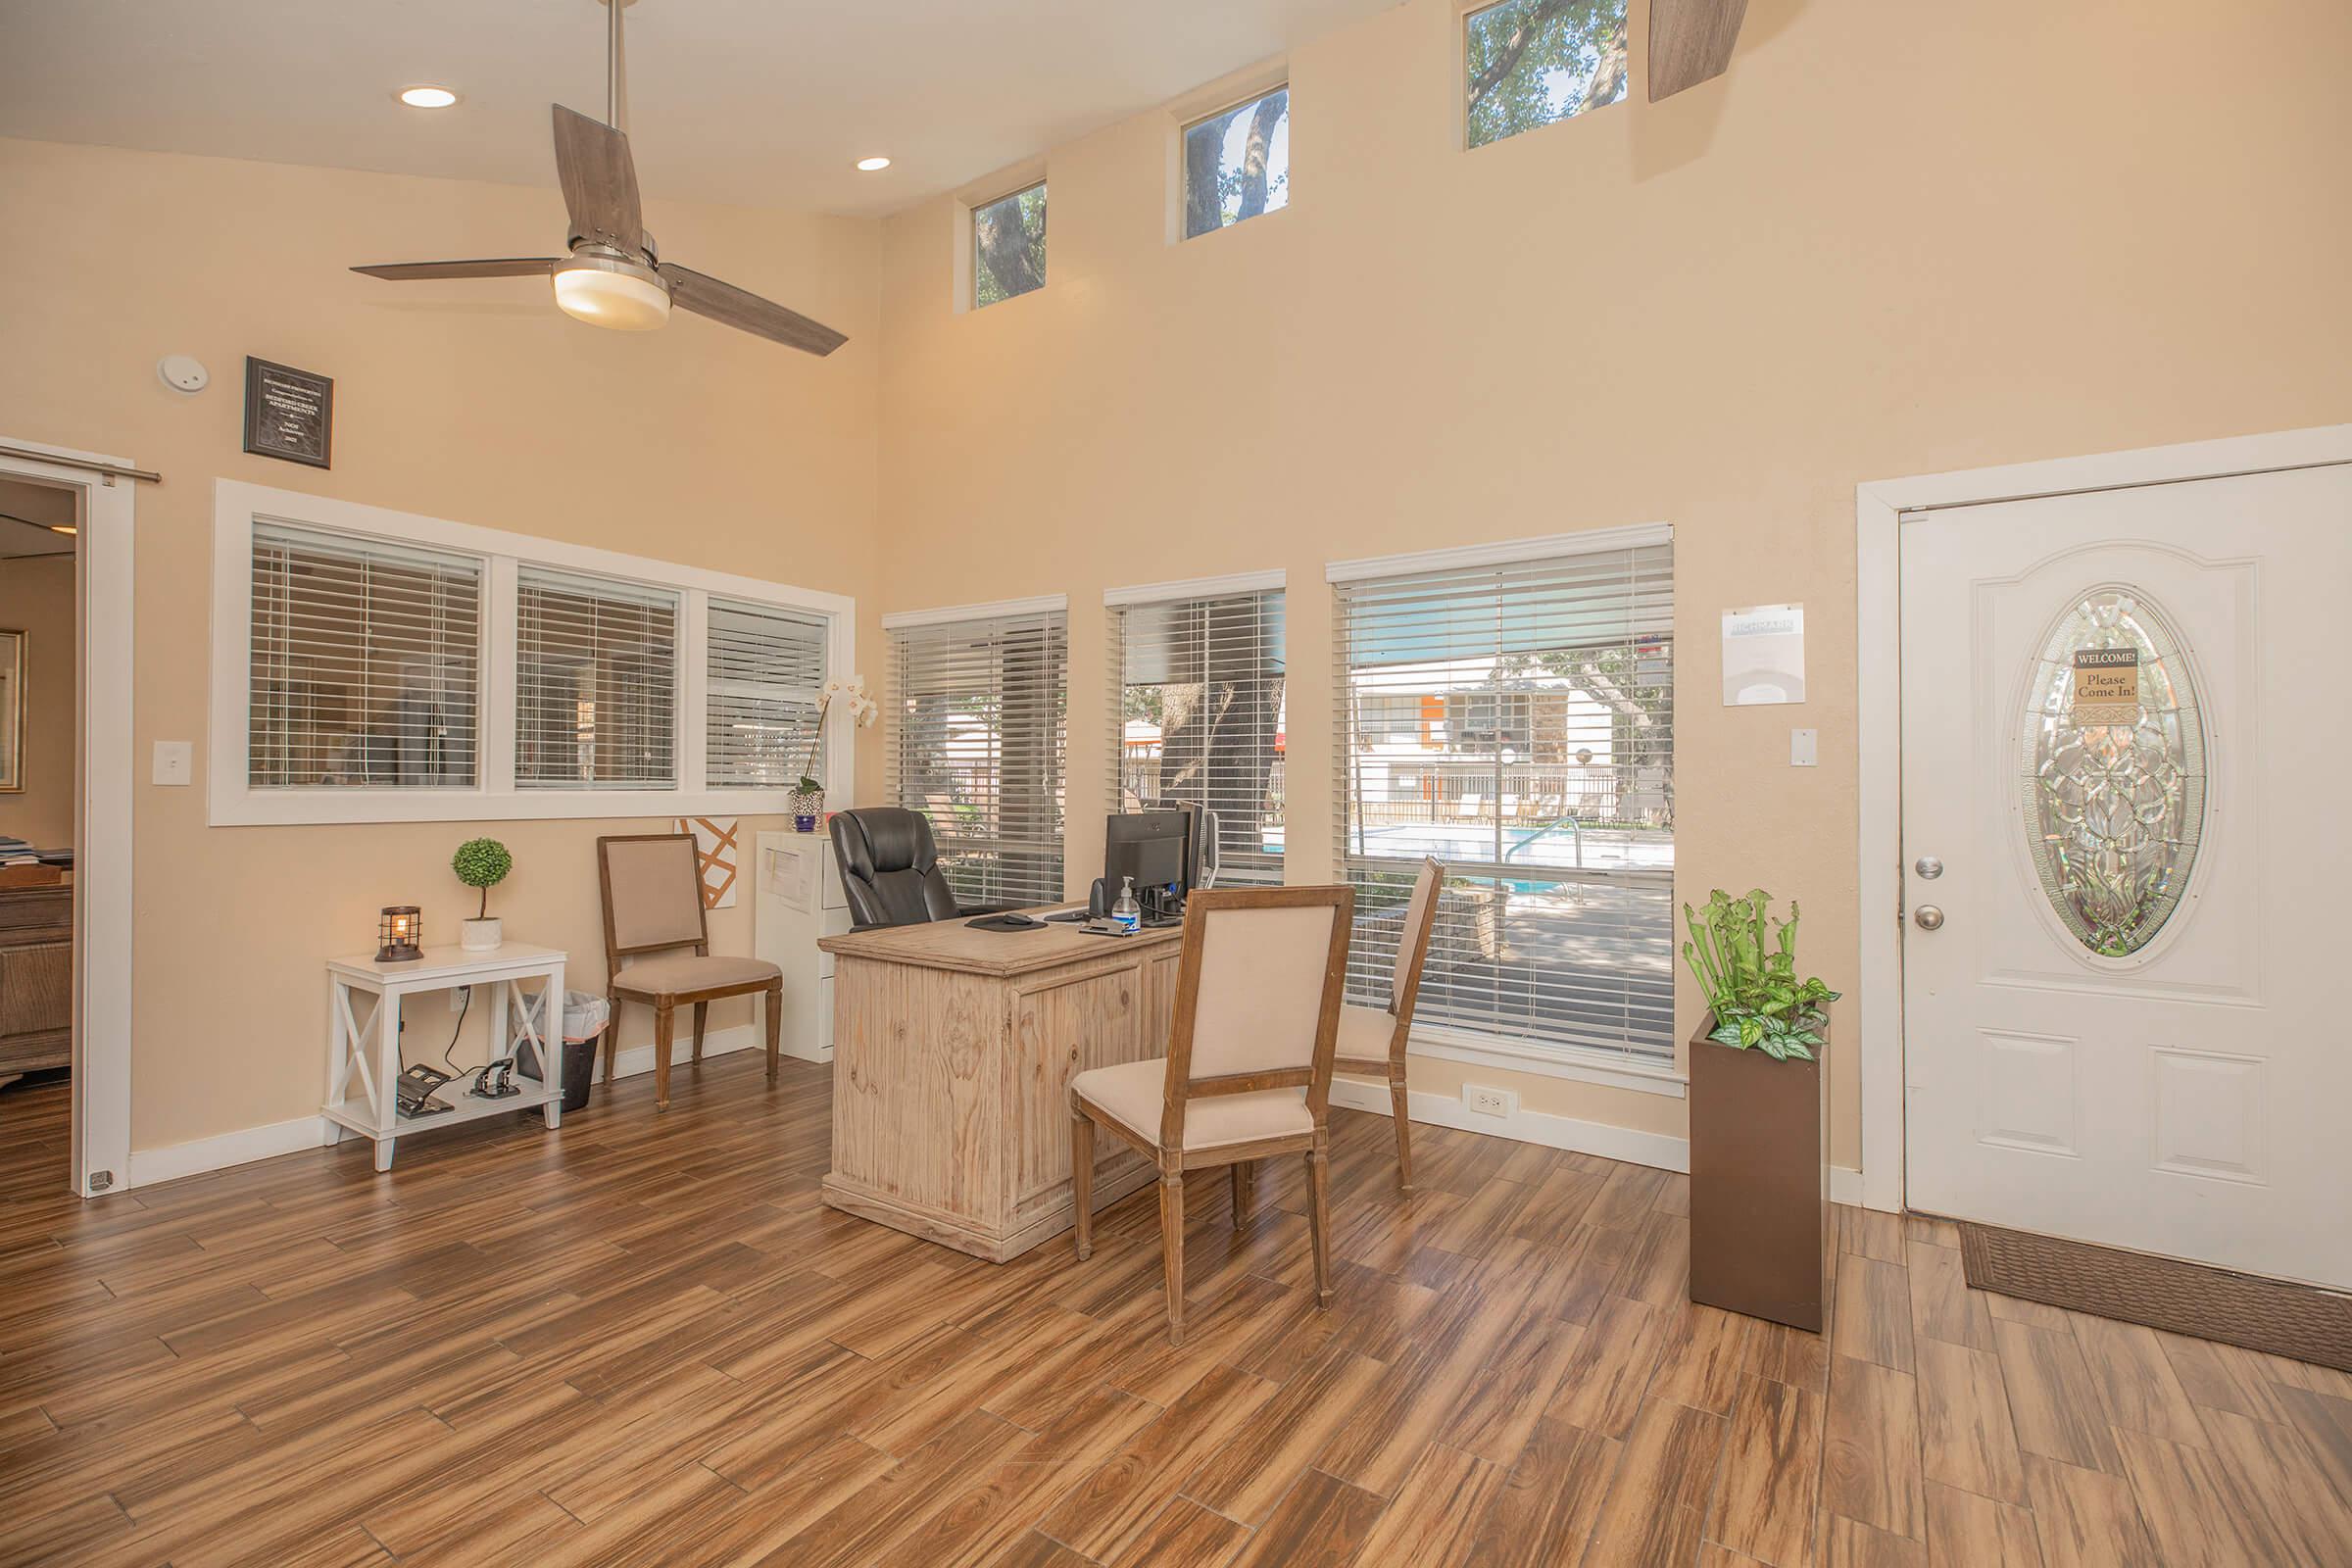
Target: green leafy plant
1750, 977
482, 864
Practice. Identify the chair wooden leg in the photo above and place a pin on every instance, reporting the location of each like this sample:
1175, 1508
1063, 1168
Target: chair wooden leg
771, 1007
1171, 1250
702, 1015
1318, 1219
1400, 1100
612, 1040
1244, 1192
1082, 1179
665, 1028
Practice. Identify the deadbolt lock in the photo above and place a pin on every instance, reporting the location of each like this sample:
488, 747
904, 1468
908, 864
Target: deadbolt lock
1929, 868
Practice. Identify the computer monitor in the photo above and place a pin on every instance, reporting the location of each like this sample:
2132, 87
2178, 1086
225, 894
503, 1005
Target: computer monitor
1148, 846
1201, 848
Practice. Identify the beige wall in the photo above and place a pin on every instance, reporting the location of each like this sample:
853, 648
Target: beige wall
36, 598
1895, 239
478, 403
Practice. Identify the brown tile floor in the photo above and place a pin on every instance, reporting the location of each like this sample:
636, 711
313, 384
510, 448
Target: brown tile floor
644, 1340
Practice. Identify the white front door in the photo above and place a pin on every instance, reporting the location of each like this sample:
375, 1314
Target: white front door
2128, 868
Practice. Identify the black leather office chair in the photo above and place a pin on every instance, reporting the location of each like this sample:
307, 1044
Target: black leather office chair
890, 867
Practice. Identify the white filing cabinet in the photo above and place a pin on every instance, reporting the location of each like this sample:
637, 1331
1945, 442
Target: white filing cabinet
800, 900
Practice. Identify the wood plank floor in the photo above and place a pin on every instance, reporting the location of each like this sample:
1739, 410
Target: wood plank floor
642, 1341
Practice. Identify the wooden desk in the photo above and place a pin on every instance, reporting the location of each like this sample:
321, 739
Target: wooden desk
954, 1051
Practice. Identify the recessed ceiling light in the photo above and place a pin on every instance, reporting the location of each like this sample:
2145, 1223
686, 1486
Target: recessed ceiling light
872, 165
426, 96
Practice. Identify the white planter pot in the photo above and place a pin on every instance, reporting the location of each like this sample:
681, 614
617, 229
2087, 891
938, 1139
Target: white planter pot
479, 936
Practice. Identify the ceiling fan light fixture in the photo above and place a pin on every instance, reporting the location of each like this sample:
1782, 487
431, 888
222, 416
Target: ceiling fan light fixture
612, 291
426, 95
872, 166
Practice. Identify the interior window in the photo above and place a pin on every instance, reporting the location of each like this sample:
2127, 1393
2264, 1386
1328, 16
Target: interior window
1528, 63
1517, 722
1009, 246
1200, 718
1237, 163
977, 739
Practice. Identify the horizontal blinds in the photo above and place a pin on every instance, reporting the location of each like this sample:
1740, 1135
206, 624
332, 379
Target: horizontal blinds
761, 684
1517, 722
364, 662
1198, 717
596, 683
977, 741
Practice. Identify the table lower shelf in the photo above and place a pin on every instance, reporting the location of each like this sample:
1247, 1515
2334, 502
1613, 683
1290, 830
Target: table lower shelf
463, 1108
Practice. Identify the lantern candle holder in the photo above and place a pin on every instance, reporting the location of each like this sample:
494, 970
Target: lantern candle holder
400, 934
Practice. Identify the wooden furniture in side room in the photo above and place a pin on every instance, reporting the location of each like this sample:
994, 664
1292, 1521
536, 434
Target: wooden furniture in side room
362, 1055
1248, 1070
36, 977
1759, 1182
952, 1054
653, 892
1372, 1040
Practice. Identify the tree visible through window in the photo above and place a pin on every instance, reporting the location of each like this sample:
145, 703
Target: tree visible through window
1528, 63
1236, 163
1009, 246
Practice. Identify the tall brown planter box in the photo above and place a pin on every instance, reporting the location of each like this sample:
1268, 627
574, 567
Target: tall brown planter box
1759, 1182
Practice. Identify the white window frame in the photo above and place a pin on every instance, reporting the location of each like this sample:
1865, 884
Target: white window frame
1473, 1047
952, 615
232, 802
1230, 586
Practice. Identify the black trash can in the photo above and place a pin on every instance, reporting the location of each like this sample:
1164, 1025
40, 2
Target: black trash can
579, 1066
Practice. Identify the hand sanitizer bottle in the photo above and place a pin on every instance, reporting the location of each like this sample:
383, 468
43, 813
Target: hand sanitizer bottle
1128, 913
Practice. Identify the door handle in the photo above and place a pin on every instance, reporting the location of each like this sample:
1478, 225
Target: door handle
1929, 917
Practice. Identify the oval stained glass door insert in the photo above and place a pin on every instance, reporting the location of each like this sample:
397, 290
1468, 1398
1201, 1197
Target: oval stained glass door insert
2114, 772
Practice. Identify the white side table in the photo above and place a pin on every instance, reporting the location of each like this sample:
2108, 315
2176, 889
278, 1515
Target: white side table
362, 1055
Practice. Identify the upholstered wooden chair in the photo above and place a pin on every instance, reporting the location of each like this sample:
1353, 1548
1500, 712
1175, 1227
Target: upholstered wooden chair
1247, 1073
654, 906
1372, 1039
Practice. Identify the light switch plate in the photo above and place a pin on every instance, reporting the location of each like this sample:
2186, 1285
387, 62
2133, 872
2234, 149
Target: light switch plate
1804, 747
174, 761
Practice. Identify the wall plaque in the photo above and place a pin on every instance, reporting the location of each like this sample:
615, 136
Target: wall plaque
1763, 654
289, 414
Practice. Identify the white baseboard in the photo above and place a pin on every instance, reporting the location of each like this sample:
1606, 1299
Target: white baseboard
151, 1165
634, 1059
1659, 1150
193, 1159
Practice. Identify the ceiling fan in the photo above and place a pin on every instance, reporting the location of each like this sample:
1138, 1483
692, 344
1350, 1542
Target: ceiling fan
613, 276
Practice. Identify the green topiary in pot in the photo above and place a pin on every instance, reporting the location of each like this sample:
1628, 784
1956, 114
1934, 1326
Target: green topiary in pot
1750, 977
481, 864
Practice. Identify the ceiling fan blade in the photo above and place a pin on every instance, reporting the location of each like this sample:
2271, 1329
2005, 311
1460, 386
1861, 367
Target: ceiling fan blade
411, 272
730, 306
1689, 42
599, 180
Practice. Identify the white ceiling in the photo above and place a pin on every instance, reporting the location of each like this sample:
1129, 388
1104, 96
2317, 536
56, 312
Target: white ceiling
762, 101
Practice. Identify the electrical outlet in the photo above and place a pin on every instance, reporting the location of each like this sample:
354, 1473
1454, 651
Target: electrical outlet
459, 996
1490, 1102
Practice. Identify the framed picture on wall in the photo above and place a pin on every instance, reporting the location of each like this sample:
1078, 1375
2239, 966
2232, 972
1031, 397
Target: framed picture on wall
12, 711
289, 414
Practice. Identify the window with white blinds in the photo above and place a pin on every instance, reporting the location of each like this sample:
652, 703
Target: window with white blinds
977, 739
364, 660
762, 677
596, 683
1516, 720
1198, 716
